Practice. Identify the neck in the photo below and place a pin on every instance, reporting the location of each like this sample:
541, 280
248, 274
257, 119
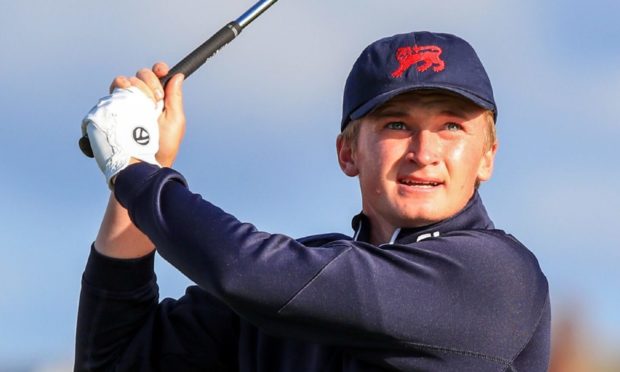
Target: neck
373, 229
381, 232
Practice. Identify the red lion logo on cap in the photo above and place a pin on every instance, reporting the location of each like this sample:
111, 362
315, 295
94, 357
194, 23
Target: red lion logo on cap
409, 56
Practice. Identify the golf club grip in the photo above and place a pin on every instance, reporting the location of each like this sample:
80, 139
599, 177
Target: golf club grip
200, 55
187, 65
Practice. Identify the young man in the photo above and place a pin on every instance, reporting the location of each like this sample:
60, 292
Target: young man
426, 283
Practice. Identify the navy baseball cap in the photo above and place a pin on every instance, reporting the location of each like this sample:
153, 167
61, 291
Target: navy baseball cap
414, 61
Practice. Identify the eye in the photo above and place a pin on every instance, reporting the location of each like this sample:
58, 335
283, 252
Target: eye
396, 125
453, 127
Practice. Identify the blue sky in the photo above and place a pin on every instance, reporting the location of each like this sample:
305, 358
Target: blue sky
262, 120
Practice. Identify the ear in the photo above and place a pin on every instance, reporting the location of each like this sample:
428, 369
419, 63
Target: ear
485, 169
346, 157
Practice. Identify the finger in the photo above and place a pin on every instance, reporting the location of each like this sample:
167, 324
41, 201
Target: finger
143, 87
152, 81
173, 101
160, 69
120, 82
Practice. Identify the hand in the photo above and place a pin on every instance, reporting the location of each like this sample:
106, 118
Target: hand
118, 237
172, 120
122, 126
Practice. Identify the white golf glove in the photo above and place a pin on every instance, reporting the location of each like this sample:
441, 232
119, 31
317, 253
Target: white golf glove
122, 126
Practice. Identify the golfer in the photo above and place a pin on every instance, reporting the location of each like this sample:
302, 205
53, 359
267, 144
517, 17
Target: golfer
425, 282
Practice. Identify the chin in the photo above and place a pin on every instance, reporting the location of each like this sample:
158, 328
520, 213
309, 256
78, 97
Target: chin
421, 218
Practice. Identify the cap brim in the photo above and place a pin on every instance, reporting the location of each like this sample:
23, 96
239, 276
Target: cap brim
367, 107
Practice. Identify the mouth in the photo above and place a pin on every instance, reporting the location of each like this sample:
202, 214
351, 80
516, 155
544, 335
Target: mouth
420, 183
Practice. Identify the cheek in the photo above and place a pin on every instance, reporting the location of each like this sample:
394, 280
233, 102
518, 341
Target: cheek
458, 153
376, 157
463, 159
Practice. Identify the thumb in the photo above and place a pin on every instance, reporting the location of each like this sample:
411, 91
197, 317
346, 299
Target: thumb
173, 97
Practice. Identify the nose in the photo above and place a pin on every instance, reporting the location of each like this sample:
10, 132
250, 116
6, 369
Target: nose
424, 148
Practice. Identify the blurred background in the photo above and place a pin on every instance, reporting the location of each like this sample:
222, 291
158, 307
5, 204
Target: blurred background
262, 120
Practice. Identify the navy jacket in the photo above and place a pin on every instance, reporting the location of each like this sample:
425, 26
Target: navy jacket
459, 295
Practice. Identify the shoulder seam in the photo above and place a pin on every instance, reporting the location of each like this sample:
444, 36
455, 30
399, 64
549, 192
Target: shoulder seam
312, 280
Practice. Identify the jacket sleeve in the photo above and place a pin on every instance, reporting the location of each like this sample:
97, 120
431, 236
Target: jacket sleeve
467, 292
122, 327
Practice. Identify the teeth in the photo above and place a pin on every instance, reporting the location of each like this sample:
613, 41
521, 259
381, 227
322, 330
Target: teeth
423, 184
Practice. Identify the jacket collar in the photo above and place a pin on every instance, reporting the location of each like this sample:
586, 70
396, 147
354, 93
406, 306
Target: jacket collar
472, 217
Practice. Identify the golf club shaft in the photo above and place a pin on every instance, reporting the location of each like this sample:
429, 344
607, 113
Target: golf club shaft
200, 55
225, 35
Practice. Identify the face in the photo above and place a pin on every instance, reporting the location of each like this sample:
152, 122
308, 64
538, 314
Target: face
418, 158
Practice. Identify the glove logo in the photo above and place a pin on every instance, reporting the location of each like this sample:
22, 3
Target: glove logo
409, 56
141, 136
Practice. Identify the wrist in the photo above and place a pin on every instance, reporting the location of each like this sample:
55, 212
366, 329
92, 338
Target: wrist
165, 162
118, 237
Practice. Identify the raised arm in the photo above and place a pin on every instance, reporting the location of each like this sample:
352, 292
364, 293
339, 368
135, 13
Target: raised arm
117, 236
119, 316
